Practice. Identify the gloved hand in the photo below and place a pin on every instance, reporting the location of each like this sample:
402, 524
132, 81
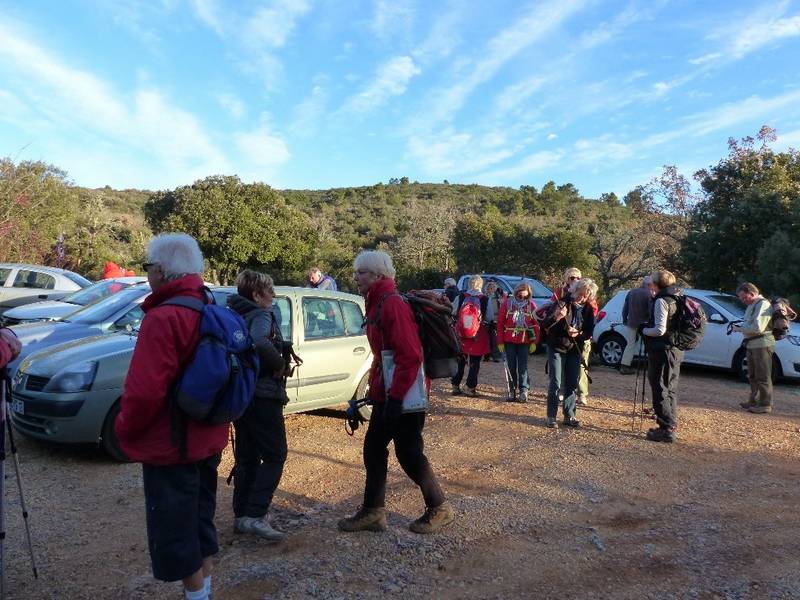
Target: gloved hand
639, 330
532, 349
392, 412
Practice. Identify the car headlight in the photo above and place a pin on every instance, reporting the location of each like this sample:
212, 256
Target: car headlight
794, 339
75, 378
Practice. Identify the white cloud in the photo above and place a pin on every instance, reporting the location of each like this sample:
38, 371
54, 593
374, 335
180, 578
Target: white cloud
443, 37
606, 31
519, 93
534, 163
271, 25
552, 136
307, 115
232, 105
392, 16
209, 12
450, 152
391, 79
262, 148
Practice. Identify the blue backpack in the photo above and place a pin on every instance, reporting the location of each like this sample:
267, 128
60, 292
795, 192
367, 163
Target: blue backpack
218, 383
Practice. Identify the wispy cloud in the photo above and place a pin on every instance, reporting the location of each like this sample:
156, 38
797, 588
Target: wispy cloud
391, 17
272, 24
233, 105
391, 79
535, 163
210, 13
264, 149
608, 30
744, 35
306, 115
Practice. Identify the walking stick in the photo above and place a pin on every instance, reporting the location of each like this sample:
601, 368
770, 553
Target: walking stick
5, 425
639, 377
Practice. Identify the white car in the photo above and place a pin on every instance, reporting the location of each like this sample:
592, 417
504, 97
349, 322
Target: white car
718, 349
21, 284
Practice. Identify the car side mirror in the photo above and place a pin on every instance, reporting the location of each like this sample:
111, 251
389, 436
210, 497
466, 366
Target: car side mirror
717, 318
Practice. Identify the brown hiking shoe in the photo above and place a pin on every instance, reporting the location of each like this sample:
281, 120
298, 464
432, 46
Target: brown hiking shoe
366, 519
760, 410
434, 519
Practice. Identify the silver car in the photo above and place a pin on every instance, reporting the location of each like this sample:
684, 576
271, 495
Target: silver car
71, 392
22, 283
48, 310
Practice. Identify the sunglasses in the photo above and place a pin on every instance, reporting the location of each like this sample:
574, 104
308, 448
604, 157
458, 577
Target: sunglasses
147, 265
573, 277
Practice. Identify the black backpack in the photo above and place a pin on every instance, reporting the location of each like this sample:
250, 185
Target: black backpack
689, 323
440, 344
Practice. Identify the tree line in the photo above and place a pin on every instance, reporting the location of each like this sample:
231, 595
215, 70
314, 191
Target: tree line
740, 224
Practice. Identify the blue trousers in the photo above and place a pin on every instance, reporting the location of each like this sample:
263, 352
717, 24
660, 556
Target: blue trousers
517, 360
564, 370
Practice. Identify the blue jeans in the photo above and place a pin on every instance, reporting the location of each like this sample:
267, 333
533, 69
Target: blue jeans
564, 370
517, 359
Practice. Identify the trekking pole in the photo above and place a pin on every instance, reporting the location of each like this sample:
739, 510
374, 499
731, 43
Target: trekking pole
635, 391
5, 422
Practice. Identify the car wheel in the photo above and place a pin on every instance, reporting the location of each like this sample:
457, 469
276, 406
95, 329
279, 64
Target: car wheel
611, 348
361, 392
109, 436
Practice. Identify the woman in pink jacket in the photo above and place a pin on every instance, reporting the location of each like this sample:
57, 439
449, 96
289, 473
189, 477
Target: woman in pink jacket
517, 329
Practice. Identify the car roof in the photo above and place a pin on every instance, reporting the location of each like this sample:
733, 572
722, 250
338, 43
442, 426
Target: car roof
43, 268
303, 291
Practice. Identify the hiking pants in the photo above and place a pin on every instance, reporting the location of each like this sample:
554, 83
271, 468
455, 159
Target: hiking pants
583, 377
631, 345
517, 359
260, 455
474, 368
663, 370
494, 351
564, 370
181, 501
759, 371
408, 447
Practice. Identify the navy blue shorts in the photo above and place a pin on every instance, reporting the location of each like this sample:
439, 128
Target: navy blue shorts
180, 501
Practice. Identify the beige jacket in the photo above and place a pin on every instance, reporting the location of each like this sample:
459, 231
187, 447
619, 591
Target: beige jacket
755, 326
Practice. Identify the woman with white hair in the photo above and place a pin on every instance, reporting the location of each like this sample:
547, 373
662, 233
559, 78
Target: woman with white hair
470, 311
568, 325
391, 326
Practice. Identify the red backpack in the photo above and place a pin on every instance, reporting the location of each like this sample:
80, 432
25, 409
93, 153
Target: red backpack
468, 322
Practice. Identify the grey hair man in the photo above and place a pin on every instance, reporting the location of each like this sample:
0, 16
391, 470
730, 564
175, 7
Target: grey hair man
635, 312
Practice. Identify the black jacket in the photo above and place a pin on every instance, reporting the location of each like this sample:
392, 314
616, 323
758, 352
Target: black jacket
581, 317
267, 338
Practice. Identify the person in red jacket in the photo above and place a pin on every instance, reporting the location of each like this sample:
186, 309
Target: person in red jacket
10, 346
180, 493
517, 329
391, 326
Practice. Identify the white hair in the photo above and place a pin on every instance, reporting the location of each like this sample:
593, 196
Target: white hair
177, 254
584, 285
376, 261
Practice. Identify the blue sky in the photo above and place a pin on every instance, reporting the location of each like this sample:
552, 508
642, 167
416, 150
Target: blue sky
330, 93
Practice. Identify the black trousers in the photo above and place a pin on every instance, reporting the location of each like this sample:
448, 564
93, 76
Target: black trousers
408, 447
260, 455
663, 370
181, 501
474, 369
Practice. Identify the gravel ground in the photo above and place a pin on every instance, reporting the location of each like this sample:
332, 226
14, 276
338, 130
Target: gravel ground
592, 513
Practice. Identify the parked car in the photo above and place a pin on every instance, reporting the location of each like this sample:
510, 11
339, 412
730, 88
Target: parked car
115, 313
71, 392
47, 310
21, 284
507, 283
717, 348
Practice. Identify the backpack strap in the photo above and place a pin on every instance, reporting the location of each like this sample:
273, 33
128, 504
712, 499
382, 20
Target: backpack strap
194, 304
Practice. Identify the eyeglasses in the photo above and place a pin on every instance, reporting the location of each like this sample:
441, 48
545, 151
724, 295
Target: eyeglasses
361, 272
573, 277
146, 266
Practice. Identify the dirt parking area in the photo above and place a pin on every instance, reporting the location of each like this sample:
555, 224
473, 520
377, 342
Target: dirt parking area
591, 513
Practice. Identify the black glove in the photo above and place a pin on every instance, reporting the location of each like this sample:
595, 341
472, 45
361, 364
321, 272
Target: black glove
640, 331
392, 412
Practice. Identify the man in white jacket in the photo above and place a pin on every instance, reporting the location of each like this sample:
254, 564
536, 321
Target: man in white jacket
760, 345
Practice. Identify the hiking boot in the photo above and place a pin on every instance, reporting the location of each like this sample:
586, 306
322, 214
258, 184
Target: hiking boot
470, 391
626, 370
457, 391
512, 397
659, 434
552, 423
366, 519
433, 519
746, 405
258, 526
573, 422
584, 400
523, 396
760, 409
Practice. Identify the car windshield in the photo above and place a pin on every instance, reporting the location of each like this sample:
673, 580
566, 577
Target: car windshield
730, 303
539, 289
75, 278
103, 310
96, 291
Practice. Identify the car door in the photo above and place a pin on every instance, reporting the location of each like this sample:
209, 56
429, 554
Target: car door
27, 285
331, 358
713, 349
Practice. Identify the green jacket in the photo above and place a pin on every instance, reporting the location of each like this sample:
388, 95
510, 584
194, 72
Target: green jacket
755, 326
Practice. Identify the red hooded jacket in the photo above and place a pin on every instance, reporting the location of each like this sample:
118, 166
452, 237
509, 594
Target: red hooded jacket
167, 340
397, 331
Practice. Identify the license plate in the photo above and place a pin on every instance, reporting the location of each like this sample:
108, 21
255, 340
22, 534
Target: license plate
18, 406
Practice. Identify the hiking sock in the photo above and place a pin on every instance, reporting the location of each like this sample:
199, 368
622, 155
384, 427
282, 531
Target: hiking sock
201, 594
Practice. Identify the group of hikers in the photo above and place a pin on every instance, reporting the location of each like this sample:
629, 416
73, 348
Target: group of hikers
180, 480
